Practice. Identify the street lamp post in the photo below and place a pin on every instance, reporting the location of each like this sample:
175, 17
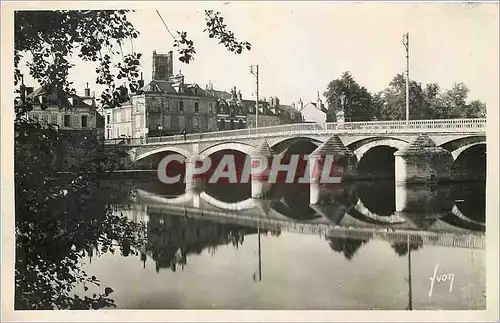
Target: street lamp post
406, 44
254, 69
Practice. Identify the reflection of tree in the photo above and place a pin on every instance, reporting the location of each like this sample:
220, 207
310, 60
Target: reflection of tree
172, 238
347, 246
401, 248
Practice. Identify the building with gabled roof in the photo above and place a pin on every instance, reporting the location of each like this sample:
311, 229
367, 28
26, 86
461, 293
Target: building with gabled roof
234, 112
163, 107
67, 111
76, 118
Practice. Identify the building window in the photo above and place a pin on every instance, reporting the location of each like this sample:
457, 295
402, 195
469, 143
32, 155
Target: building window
197, 107
109, 133
84, 121
166, 104
108, 118
181, 122
75, 122
153, 104
67, 120
53, 118
210, 108
181, 106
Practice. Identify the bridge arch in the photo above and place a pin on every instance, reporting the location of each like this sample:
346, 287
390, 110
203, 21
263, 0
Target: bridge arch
376, 158
285, 144
392, 142
243, 148
178, 150
469, 162
457, 152
456, 143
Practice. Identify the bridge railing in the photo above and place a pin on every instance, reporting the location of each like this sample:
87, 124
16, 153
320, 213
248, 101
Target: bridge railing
441, 125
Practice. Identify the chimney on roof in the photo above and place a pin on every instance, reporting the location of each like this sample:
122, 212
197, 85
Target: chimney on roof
87, 90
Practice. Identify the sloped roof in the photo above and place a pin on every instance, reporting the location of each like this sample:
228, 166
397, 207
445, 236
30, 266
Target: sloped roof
36, 93
159, 86
422, 145
41, 91
287, 108
193, 90
222, 94
333, 146
263, 149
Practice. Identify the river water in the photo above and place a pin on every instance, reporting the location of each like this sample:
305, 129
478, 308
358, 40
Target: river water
215, 248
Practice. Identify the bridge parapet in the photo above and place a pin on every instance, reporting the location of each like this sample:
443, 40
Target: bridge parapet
368, 127
440, 125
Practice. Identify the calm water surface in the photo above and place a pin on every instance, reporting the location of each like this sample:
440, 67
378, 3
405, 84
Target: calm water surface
217, 249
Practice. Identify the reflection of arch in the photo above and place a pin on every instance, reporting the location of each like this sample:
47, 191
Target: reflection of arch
181, 199
244, 148
394, 143
180, 151
237, 206
361, 209
456, 153
456, 212
462, 223
285, 209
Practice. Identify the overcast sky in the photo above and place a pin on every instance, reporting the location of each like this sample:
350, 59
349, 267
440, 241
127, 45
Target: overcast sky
300, 47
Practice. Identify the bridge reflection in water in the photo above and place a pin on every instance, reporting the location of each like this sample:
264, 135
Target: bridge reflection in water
183, 223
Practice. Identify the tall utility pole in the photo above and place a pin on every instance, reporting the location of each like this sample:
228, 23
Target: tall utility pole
406, 44
254, 69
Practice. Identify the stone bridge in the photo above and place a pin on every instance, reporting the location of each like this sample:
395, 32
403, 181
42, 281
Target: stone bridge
418, 151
